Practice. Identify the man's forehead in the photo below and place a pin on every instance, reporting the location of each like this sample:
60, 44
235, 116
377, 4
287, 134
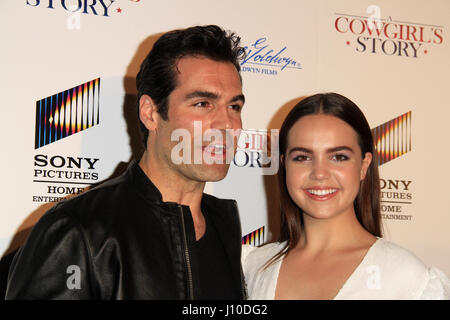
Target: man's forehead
202, 74
191, 63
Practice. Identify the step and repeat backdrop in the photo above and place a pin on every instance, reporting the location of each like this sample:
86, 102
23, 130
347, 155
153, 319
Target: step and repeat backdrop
68, 100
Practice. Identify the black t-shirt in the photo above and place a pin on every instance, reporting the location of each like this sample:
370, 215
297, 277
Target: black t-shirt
211, 268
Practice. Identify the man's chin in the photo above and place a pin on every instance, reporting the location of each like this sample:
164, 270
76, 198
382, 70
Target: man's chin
215, 172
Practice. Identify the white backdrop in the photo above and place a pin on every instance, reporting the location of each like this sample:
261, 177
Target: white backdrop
296, 48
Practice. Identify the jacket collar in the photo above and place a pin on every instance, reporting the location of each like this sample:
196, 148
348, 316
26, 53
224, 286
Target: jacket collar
223, 212
150, 192
142, 184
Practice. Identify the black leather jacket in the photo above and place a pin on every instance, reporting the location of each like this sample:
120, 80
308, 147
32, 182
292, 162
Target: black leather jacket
119, 241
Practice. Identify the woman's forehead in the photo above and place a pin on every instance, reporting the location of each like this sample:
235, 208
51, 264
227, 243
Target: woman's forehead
321, 130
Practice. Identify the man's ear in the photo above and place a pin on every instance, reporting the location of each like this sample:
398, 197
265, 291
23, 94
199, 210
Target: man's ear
148, 112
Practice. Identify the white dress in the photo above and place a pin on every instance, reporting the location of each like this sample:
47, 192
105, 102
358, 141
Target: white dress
387, 272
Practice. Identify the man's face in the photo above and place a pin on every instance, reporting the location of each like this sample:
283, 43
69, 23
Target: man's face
207, 99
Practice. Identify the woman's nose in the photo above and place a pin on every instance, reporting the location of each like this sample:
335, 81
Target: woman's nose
320, 169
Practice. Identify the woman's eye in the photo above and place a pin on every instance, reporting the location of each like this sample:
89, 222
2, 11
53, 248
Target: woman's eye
301, 158
340, 157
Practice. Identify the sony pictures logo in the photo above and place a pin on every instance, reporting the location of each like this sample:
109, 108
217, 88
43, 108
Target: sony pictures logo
374, 34
264, 58
60, 116
68, 112
255, 238
392, 140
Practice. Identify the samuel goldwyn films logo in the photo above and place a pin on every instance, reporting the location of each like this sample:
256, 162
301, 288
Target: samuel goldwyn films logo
263, 58
57, 117
388, 36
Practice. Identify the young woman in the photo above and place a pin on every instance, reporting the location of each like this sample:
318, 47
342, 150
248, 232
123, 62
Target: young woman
330, 242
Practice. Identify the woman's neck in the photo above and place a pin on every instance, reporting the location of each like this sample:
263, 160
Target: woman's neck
341, 232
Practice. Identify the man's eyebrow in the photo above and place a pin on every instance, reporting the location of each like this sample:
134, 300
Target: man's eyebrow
239, 97
212, 95
330, 150
201, 94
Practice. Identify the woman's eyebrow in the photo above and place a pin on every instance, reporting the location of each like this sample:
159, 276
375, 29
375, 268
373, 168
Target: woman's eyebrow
301, 149
330, 150
340, 148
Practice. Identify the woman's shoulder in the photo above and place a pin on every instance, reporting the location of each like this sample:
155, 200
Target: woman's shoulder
390, 271
398, 257
402, 271
263, 251
260, 278
258, 256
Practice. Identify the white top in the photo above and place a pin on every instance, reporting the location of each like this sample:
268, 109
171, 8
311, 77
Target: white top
387, 271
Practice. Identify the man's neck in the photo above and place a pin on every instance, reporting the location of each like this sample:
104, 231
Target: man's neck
176, 188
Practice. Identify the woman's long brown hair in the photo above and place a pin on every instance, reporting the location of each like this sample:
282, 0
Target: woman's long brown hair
367, 202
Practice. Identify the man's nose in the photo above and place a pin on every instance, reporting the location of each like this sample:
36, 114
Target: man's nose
224, 119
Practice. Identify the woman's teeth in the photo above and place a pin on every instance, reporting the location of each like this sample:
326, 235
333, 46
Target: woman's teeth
322, 192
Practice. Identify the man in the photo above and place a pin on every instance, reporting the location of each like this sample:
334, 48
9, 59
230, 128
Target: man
152, 233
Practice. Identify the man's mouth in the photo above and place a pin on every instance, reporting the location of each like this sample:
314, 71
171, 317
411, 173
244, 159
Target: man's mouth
215, 149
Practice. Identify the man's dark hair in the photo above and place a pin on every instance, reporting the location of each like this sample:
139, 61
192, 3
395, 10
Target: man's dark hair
157, 76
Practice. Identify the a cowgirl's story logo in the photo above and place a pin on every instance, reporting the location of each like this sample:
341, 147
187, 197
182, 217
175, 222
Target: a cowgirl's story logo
95, 7
388, 36
76, 9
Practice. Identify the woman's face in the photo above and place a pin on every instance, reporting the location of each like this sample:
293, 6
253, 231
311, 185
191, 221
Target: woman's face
324, 166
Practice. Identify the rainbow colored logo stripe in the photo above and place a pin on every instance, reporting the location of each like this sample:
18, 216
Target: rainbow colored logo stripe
393, 138
67, 113
255, 238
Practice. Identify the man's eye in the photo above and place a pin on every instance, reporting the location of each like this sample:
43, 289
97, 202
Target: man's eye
340, 157
201, 104
236, 107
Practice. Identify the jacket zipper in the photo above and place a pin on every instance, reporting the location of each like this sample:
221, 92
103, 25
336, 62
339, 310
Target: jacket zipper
243, 285
188, 260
